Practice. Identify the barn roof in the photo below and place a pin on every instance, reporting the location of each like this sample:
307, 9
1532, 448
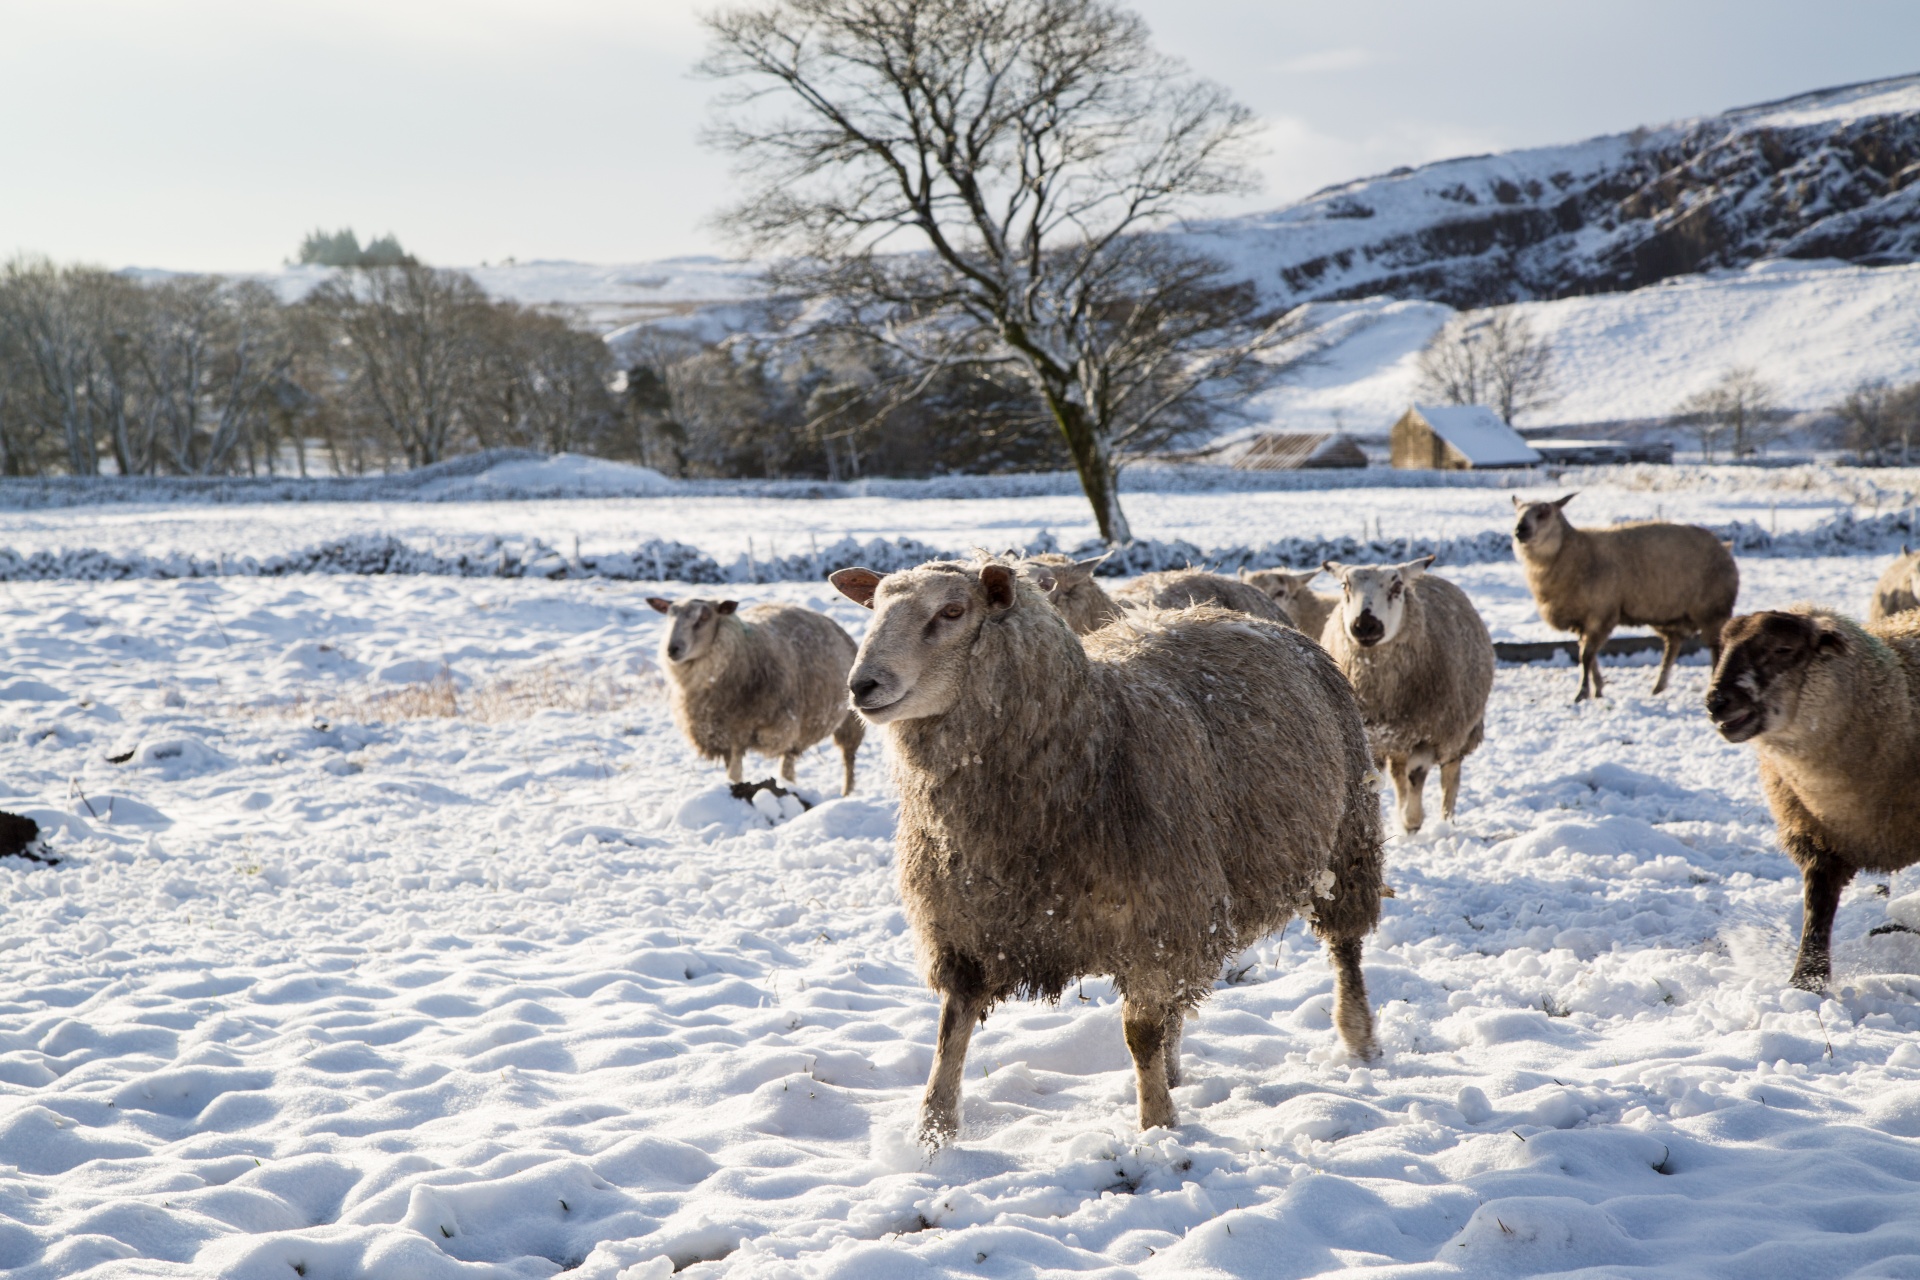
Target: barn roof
1293, 450
1477, 432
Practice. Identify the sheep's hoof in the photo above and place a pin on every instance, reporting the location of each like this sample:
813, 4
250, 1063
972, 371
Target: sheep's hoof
1808, 980
937, 1129
1159, 1117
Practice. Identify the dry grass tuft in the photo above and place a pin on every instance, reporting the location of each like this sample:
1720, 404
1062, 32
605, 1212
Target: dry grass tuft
514, 697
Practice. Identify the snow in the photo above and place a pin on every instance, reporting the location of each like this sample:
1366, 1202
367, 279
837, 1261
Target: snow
1419, 226
1812, 331
561, 475
409, 938
1477, 432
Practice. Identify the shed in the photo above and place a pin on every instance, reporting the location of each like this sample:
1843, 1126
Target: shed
1457, 437
1580, 453
1300, 450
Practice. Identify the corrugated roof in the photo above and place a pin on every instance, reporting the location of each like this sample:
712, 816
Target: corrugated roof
1477, 432
1291, 450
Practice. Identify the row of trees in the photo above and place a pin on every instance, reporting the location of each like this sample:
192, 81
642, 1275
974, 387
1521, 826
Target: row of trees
406, 365
204, 376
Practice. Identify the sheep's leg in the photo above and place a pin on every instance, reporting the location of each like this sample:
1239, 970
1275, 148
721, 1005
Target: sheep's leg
1449, 788
1170, 1051
1351, 1013
1415, 812
848, 736
736, 762
786, 765
1590, 682
1406, 791
960, 1013
1710, 631
1146, 1028
1672, 641
1824, 877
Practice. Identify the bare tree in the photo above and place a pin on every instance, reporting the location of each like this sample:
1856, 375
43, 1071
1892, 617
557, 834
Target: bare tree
975, 182
53, 320
1881, 420
1493, 359
1739, 410
415, 339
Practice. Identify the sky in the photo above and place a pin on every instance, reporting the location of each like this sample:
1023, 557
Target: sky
210, 135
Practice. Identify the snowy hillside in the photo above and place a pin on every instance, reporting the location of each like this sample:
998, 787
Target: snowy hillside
1812, 330
704, 295
1823, 175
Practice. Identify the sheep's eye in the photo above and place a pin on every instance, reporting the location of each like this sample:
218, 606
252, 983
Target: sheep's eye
953, 611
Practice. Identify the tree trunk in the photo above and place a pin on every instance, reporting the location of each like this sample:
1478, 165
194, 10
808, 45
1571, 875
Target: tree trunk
1093, 459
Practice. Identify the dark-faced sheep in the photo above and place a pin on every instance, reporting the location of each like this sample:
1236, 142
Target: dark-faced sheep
1833, 711
771, 678
1308, 608
1179, 588
1898, 589
1143, 803
1421, 664
1070, 586
1678, 579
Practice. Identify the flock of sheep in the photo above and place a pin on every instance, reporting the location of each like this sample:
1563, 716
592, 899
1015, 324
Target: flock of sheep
1087, 778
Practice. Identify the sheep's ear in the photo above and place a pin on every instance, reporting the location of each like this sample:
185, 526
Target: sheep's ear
1242, 574
1335, 568
1304, 578
1562, 502
660, 605
727, 606
1517, 503
857, 585
998, 581
1072, 575
1829, 640
1412, 569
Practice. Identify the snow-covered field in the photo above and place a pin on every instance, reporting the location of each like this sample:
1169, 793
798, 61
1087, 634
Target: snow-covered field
411, 940
1165, 504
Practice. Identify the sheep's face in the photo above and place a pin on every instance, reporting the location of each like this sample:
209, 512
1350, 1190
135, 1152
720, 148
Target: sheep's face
1067, 584
915, 656
691, 626
1539, 526
1373, 598
1764, 660
1283, 588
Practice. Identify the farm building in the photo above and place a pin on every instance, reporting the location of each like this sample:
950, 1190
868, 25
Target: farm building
1457, 437
1582, 453
1300, 450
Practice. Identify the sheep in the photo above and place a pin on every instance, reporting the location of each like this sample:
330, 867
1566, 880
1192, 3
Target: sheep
1675, 578
1069, 584
1898, 589
1308, 609
1178, 588
770, 678
1421, 664
1833, 711
1143, 802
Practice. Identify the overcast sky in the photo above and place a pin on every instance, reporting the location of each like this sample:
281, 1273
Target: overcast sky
211, 134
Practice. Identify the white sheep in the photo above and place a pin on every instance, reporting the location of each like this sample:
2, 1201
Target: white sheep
1144, 801
1421, 664
770, 678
